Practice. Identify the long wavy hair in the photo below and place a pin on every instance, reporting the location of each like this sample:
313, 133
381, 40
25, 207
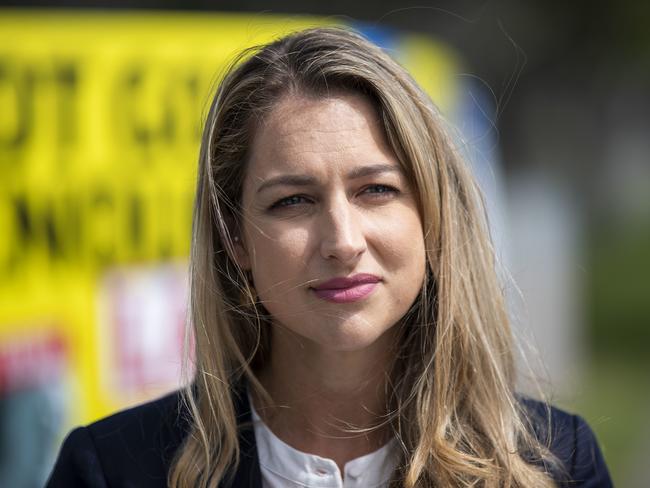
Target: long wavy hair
452, 402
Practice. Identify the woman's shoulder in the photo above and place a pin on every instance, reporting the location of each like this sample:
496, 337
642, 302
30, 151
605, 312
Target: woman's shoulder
133, 447
572, 442
164, 416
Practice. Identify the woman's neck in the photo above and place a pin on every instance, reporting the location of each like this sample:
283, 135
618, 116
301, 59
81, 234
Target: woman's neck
320, 395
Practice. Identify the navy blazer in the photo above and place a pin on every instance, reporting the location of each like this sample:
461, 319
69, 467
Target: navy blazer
134, 448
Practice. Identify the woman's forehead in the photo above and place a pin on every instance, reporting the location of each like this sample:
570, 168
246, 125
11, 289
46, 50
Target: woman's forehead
306, 133
352, 111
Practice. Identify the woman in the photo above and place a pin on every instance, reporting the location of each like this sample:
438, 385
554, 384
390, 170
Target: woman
348, 326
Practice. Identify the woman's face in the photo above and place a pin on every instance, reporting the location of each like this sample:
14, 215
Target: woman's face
325, 199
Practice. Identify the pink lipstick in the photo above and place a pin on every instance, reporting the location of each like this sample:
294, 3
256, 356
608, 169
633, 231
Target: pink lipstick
350, 289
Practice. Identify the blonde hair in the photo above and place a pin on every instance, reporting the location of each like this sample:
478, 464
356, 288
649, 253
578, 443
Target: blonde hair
452, 401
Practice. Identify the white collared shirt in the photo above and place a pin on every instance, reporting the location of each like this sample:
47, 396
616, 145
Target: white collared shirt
282, 466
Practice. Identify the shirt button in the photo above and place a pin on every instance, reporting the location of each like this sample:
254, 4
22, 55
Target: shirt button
354, 473
321, 472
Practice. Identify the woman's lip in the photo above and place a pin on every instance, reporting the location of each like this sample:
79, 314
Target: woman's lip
345, 295
347, 289
341, 283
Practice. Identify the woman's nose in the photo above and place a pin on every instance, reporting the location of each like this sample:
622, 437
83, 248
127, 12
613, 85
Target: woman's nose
341, 232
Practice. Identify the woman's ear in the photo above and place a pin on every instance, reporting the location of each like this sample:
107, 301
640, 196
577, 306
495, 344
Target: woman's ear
241, 254
234, 231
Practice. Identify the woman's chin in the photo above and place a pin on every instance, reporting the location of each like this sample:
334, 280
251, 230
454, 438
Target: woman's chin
350, 338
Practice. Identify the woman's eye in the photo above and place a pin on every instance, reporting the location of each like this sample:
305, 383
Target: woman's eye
291, 201
380, 190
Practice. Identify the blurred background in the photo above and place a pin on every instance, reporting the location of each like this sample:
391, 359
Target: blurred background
101, 105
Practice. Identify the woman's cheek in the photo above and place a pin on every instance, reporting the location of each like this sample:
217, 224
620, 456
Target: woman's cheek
279, 264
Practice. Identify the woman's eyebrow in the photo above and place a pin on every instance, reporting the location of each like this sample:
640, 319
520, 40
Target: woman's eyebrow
307, 180
287, 180
373, 169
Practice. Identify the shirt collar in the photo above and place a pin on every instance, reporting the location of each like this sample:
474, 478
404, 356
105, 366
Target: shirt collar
370, 470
